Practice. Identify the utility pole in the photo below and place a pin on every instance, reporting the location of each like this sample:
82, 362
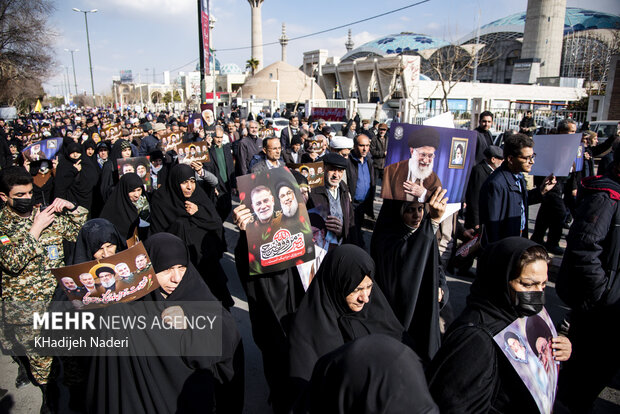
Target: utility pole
90, 61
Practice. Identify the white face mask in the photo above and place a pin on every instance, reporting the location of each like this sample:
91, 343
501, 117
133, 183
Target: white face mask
156, 169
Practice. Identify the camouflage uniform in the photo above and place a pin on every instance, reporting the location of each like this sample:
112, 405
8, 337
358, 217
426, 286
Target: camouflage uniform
26, 262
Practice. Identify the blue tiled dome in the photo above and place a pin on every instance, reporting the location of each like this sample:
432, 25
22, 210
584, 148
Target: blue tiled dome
395, 44
230, 68
576, 20
217, 64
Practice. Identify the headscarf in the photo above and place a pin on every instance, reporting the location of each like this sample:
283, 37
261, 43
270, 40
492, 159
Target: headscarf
94, 234
408, 272
490, 293
67, 178
119, 209
373, 374
324, 321
167, 250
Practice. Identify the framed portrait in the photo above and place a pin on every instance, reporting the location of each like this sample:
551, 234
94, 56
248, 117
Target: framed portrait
458, 149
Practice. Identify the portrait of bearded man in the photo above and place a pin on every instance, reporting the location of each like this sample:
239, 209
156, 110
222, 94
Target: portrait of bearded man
413, 179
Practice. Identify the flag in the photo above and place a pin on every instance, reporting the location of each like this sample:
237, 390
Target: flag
38, 107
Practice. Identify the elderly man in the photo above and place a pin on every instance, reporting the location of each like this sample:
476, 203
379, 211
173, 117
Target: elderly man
222, 166
333, 199
73, 291
414, 179
361, 182
263, 204
248, 147
94, 289
494, 156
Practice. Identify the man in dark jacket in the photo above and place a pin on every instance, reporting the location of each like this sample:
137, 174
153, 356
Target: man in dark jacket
292, 155
333, 200
361, 182
149, 142
289, 132
589, 282
221, 165
479, 174
484, 139
378, 150
248, 147
504, 199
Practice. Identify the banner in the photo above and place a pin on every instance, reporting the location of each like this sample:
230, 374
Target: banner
527, 344
124, 277
42, 150
138, 165
421, 158
204, 24
313, 171
555, 154
279, 235
329, 114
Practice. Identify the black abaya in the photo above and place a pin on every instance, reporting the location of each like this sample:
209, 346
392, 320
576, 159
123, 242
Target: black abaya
119, 209
173, 384
202, 232
324, 320
408, 273
94, 234
470, 374
374, 374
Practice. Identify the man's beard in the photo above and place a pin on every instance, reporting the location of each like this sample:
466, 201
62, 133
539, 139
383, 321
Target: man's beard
417, 173
108, 283
265, 216
289, 211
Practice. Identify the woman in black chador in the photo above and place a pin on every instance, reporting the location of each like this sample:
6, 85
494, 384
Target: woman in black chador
404, 246
340, 305
182, 208
186, 379
470, 374
120, 209
373, 374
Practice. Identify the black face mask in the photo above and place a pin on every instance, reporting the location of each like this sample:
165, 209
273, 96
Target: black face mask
529, 303
22, 205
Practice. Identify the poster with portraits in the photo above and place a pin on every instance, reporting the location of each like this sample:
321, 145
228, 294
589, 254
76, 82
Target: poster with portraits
193, 151
195, 123
279, 234
313, 171
124, 277
138, 165
170, 141
109, 131
421, 158
42, 150
527, 344
555, 154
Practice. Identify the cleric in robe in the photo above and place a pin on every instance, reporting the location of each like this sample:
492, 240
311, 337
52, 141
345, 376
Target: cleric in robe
414, 179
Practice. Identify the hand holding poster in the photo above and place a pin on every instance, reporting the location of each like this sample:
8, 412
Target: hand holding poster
193, 151
527, 344
279, 234
170, 141
555, 154
421, 158
124, 277
138, 165
313, 171
42, 150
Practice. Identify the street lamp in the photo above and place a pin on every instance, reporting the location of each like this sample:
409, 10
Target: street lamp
92, 82
73, 62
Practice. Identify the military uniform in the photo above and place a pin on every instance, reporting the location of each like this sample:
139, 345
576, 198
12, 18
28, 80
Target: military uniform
25, 263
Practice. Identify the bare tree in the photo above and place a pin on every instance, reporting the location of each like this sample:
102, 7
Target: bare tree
25, 41
455, 63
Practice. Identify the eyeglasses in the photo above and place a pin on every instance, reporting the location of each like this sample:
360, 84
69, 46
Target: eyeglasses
531, 158
426, 155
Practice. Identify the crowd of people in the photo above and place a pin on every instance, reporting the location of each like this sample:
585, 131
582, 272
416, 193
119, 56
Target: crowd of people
369, 327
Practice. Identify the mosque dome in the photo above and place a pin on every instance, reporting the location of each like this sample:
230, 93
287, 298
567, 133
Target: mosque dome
295, 86
407, 43
217, 64
230, 68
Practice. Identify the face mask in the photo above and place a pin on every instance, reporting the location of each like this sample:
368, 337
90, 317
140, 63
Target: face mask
47, 134
529, 303
156, 169
22, 205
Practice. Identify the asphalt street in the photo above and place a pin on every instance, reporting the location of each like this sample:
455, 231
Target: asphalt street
28, 398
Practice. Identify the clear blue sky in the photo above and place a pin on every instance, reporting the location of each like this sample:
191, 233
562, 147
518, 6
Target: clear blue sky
163, 34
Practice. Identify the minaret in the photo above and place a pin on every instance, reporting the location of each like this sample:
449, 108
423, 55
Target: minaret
257, 32
349, 44
283, 42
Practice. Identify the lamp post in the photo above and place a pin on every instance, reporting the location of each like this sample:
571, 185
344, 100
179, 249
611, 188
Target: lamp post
73, 62
90, 62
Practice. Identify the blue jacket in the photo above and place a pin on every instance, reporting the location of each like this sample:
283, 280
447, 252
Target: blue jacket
500, 205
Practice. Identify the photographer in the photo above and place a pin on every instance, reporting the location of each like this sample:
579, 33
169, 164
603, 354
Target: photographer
31, 245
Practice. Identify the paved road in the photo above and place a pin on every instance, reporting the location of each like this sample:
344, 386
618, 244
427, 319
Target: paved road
28, 400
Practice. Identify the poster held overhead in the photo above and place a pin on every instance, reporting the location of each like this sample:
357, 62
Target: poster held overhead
313, 171
138, 165
42, 150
